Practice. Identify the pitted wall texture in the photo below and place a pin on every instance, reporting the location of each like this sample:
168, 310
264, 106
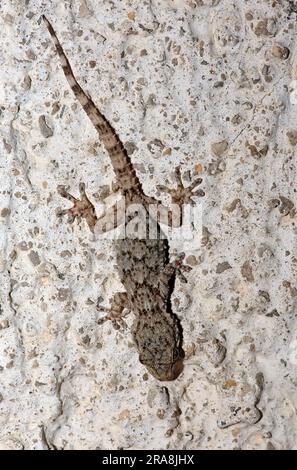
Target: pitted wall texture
205, 84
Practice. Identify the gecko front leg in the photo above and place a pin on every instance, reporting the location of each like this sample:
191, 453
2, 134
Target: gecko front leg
181, 194
84, 209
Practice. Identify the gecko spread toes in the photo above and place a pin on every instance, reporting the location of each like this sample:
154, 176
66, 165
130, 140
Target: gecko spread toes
177, 267
117, 311
82, 208
182, 195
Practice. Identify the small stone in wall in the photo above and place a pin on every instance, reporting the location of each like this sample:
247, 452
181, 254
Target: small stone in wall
229, 384
31, 54
265, 27
9, 19
5, 212
273, 313
63, 294
84, 10
192, 260
265, 295
45, 130
155, 147
247, 271
27, 83
273, 203
292, 136
286, 205
131, 15
130, 147
236, 119
221, 267
34, 258
218, 148
216, 166
293, 290
255, 152
280, 51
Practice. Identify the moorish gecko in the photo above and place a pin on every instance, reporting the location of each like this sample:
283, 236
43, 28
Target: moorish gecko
143, 264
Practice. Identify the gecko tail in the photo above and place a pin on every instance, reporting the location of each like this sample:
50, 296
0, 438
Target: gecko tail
81, 96
119, 158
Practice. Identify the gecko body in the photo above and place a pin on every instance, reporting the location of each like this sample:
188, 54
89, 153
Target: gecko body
143, 264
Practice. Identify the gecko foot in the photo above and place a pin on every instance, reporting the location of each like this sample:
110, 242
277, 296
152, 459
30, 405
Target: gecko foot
177, 267
182, 195
82, 208
181, 268
117, 311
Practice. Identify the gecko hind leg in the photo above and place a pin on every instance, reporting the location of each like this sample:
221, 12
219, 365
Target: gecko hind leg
82, 208
116, 312
175, 267
178, 267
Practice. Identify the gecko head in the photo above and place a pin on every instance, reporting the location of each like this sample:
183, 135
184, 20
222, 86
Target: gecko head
165, 371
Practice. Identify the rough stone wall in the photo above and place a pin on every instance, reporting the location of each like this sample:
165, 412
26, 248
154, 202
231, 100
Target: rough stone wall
205, 84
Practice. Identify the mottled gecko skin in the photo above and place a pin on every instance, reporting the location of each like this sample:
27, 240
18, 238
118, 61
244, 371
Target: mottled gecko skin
149, 285
143, 264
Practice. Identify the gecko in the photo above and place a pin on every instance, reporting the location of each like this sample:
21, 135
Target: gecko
143, 264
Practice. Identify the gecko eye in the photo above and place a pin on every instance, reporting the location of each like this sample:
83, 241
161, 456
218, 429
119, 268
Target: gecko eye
175, 353
141, 360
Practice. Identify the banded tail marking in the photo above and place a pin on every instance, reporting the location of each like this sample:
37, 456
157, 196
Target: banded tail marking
119, 158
